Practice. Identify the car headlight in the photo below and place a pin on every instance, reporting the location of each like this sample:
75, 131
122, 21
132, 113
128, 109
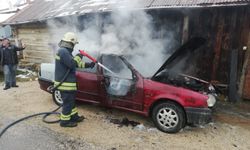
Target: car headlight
211, 100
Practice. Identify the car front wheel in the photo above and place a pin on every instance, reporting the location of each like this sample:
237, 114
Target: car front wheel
57, 98
168, 117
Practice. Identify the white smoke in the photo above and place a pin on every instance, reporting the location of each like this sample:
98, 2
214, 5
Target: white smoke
124, 32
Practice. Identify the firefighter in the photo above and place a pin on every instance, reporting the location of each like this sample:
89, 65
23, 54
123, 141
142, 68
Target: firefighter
64, 62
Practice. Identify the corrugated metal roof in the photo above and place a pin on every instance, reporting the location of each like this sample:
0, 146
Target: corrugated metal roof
44, 9
197, 3
5, 14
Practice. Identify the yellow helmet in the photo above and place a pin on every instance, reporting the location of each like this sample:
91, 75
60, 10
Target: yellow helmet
70, 37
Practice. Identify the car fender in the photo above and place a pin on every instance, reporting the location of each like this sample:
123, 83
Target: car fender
151, 100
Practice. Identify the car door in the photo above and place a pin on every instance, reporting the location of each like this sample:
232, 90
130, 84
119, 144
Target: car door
124, 88
88, 85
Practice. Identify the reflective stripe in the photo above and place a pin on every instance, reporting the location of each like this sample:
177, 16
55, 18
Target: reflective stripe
80, 64
73, 111
64, 117
77, 59
66, 88
65, 83
57, 57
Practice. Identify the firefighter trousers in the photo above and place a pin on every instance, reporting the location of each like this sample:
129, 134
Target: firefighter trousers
69, 107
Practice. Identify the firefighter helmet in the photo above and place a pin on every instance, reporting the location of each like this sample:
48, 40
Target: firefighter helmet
70, 37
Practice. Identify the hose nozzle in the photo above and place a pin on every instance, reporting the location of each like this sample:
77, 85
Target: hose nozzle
87, 55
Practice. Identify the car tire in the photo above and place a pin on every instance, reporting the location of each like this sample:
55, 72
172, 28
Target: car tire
168, 117
57, 98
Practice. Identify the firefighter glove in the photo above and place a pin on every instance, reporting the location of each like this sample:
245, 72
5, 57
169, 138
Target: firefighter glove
90, 65
80, 55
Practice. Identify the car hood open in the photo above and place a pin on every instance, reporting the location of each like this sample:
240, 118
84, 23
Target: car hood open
189, 47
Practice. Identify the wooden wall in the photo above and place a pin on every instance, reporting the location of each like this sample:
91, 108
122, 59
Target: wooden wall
245, 87
227, 30
37, 40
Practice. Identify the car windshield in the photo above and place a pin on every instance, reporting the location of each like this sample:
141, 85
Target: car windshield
116, 64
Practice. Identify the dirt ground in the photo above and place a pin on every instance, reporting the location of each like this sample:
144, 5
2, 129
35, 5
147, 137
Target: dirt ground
230, 128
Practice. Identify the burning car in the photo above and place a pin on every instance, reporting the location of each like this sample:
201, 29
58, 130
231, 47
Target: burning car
169, 103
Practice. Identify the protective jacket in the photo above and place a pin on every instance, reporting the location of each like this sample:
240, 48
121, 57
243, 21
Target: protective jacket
64, 62
8, 55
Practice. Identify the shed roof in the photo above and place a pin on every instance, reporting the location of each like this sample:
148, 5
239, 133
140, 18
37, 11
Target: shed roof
5, 14
45, 9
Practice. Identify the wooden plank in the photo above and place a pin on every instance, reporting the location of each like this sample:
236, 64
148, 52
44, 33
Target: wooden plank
233, 95
218, 43
185, 29
245, 72
24, 31
36, 55
47, 52
245, 54
32, 25
38, 48
35, 43
32, 31
34, 37
39, 57
41, 53
41, 47
39, 60
233, 92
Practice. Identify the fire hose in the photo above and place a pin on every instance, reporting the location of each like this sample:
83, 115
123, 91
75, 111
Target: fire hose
45, 114
51, 89
95, 61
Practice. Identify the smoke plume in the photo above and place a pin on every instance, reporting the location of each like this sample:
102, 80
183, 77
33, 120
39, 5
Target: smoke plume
128, 32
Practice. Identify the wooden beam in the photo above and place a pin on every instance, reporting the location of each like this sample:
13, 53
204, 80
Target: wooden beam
185, 29
218, 43
246, 56
233, 95
234, 46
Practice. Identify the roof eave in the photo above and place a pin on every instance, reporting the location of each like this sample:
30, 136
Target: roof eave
200, 6
145, 8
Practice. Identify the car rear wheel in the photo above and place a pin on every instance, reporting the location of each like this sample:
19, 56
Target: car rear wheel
168, 117
57, 98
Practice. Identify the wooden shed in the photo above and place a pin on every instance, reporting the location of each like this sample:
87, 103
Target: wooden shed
224, 23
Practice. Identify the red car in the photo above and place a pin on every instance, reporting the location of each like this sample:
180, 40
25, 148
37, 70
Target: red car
170, 104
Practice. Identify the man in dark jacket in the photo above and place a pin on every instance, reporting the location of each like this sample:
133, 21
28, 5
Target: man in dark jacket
9, 61
67, 64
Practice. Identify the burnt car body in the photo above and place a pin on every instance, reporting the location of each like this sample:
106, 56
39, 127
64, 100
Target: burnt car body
171, 106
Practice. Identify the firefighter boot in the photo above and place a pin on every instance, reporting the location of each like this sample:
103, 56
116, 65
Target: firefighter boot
67, 123
77, 118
